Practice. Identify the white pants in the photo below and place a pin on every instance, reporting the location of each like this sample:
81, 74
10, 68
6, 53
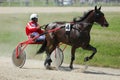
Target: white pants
40, 38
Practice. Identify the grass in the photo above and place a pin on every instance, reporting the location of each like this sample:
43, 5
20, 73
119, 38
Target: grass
106, 40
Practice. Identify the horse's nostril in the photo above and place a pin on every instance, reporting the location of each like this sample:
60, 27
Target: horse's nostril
107, 25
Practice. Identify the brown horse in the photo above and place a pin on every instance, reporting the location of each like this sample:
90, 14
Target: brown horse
78, 36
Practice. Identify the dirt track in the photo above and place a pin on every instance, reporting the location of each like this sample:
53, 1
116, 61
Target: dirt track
34, 70
53, 9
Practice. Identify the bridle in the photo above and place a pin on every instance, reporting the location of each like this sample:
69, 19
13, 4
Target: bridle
97, 15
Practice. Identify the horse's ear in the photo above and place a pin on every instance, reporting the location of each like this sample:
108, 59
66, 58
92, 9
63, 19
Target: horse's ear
95, 8
99, 8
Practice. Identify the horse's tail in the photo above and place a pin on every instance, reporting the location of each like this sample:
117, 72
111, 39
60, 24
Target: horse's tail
42, 48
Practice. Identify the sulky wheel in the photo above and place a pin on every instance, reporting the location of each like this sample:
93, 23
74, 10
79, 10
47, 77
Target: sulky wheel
57, 57
20, 61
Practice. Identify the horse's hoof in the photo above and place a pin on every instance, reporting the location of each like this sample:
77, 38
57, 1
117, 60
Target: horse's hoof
86, 59
71, 67
48, 67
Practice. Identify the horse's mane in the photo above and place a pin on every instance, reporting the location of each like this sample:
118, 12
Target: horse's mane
85, 15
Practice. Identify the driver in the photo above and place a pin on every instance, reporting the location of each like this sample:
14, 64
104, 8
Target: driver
33, 28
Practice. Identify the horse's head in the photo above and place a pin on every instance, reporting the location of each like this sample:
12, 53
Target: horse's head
99, 17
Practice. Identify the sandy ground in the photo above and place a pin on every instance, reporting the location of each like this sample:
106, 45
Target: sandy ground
53, 9
34, 69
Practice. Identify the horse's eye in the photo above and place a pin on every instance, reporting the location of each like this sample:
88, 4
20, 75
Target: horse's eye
97, 14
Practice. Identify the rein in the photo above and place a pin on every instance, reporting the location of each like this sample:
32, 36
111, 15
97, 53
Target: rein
43, 26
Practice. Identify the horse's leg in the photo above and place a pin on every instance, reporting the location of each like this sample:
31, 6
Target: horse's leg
48, 60
89, 47
72, 57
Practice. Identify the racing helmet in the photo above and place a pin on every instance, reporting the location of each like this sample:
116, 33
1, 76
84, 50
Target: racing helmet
32, 16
